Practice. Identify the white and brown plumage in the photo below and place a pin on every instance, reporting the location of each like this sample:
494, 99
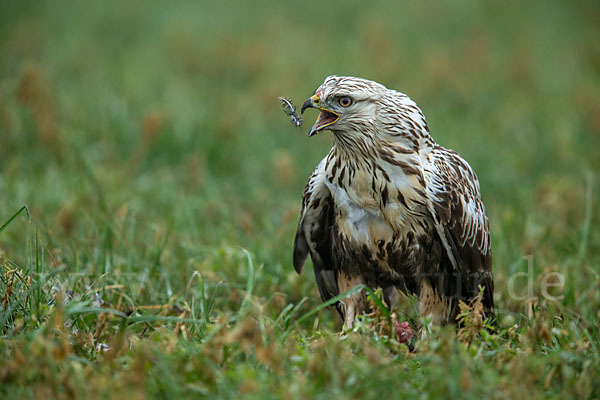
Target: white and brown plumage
390, 208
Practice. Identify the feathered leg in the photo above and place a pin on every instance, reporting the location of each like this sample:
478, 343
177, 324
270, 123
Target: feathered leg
433, 306
354, 304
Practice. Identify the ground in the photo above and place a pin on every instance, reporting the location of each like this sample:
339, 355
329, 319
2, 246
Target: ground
162, 186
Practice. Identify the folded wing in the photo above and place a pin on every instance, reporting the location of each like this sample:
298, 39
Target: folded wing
461, 223
314, 234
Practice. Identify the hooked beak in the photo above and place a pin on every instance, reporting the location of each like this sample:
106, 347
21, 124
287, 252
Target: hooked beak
326, 117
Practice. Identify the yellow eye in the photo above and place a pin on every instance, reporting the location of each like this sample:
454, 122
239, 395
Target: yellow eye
345, 101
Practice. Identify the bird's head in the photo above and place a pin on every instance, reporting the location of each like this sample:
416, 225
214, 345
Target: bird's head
344, 101
360, 109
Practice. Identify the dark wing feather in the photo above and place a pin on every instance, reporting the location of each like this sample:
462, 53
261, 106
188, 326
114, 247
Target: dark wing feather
314, 234
461, 222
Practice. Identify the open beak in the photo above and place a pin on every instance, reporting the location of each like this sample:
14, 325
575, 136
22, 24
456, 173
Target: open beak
326, 117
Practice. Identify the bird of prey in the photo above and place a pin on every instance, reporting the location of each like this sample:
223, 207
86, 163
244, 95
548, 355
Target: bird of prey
390, 208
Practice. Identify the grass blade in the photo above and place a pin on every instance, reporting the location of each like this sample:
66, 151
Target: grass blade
326, 304
15, 215
250, 281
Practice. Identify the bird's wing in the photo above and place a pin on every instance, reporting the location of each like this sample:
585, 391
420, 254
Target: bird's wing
460, 220
314, 234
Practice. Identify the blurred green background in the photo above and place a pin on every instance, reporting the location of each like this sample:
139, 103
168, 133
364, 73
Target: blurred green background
147, 138
166, 116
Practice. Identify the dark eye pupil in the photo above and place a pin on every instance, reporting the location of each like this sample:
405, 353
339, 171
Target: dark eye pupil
345, 101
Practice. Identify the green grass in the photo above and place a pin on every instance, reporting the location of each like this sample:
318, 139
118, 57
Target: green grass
163, 185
